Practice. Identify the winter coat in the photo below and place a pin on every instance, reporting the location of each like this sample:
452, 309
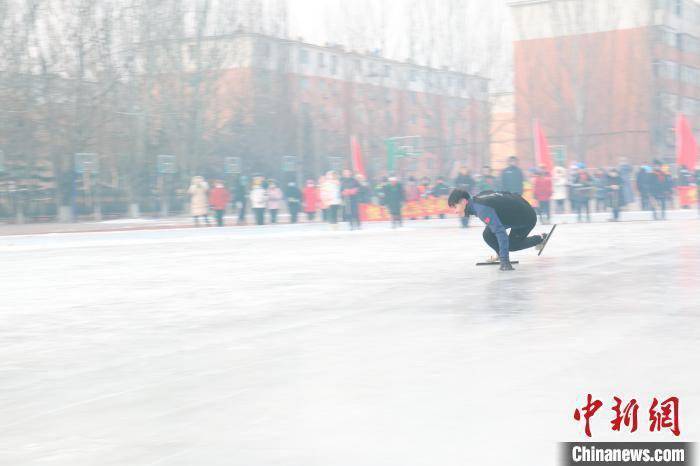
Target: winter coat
659, 183
601, 187
643, 181
511, 209
486, 183
559, 185
393, 197
330, 193
239, 192
258, 197
218, 198
465, 182
350, 190
581, 187
615, 186
274, 198
440, 189
199, 203
293, 195
627, 192
543, 188
311, 199
412, 194
512, 180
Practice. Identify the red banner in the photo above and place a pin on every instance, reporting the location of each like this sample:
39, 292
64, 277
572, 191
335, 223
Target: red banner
428, 207
542, 153
687, 195
686, 145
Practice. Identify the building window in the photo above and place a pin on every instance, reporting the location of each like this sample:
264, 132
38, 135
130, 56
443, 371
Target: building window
358, 66
669, 102
321, 60
413, 97
463, 82
412, 76
690, 106
387, 71
690, 75
304, 83
265, 49
413, 119
303, 57
334, 64
667, 69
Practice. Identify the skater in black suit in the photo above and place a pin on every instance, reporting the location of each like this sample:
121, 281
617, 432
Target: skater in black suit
501, 211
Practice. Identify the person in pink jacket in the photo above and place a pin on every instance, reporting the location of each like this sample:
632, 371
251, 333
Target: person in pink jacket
275, 197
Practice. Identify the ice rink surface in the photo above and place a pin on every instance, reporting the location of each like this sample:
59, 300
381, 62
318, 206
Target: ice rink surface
300, 346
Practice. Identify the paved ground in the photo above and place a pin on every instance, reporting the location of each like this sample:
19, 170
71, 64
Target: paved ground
296, 345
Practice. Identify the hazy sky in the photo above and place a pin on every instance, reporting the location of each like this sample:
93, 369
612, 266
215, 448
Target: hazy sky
483, 41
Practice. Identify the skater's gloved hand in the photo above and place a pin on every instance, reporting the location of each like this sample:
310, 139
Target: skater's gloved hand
505, 264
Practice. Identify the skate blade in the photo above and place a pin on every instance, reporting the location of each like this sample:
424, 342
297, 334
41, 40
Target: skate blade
495, 263
544, 245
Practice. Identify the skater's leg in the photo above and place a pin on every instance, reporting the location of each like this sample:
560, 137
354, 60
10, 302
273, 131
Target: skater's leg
490, 239
519, 239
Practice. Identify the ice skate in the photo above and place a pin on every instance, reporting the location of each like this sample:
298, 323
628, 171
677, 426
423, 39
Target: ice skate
545, 239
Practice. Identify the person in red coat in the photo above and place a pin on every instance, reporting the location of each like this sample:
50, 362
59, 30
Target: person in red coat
311, 200
218, 200
543, 193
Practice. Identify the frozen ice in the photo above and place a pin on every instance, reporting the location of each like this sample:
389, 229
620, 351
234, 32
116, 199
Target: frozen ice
298, 345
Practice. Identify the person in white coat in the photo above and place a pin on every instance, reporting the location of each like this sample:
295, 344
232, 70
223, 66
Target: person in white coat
199, 200
560, 189
258, 201
330, 196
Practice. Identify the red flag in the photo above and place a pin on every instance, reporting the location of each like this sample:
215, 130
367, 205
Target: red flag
542, 154
357, 163
686, 145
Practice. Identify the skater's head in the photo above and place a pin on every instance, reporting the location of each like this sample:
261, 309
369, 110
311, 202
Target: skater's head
513, 161
459, 200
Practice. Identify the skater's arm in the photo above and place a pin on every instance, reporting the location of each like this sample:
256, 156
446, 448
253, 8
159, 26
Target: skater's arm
490, 218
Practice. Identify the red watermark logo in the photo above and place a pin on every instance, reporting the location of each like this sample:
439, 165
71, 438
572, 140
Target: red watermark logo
663, 415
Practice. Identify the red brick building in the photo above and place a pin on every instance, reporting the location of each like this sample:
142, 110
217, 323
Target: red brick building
277, 97
606, 77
